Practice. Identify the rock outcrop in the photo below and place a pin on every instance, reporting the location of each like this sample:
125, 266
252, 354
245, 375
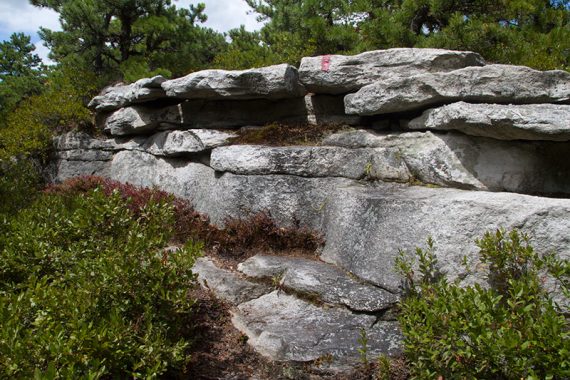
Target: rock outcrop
436, 143
489, 84
549, 122
339, 74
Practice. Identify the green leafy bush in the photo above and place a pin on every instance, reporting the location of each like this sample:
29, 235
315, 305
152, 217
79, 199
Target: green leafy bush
511, 330
87, 290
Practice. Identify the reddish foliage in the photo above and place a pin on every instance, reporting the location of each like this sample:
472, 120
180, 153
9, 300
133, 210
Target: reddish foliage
238, 237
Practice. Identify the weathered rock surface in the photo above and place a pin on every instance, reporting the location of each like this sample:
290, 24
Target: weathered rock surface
273, 82
489, 84
323, 281
115, 97
302, 161
285, 328
339, 74
290, 198
226, 284
204, 114
503, 122
142, 120
456, 160
366, 226
177, 143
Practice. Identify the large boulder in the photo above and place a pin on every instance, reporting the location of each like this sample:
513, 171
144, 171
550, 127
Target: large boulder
367, 226
499, 121
340, 74
115, 97
488, 84
273, 82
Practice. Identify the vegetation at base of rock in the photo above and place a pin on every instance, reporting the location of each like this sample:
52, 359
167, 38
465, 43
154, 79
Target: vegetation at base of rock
511, 330
277, 134
238, 237
88, 291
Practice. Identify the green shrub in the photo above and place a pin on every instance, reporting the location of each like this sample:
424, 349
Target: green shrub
511, 330
19, 184
87, 290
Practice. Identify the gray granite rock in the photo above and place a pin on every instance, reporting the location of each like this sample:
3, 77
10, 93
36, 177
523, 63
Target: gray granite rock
115, 97
301, 161
489, 84
314, 278
498, 121
285, 328
142, 120
329, 109
339, 74
177, 143
456, 160
366, 227
226, 284
288, 198
211, 114
273, 82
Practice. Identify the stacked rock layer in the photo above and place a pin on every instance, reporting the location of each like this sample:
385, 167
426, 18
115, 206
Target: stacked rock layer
437, 143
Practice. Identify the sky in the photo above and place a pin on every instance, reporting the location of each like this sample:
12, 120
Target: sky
20, 16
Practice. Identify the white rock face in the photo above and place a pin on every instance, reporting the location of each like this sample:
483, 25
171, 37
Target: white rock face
503, 122
115, 97
367, 226
340, 74
302, 161
273, 82
283, 327
489, 84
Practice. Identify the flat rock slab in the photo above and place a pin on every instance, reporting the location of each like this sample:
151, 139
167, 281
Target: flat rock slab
326, 282
272, 82
367, 226
225, 284
340, 74
302, 161
487, 84
461, 161
503, 122
115, 97
196, 114
285, 328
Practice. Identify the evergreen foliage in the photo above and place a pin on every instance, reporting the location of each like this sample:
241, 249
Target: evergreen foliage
87, 290
528, 32
131, 39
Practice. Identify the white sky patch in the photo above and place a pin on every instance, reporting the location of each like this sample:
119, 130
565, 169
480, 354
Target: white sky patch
224, 15
21, 16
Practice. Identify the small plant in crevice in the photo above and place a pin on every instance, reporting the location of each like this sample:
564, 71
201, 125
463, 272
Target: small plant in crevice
363, 347
510, 330
281, 134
